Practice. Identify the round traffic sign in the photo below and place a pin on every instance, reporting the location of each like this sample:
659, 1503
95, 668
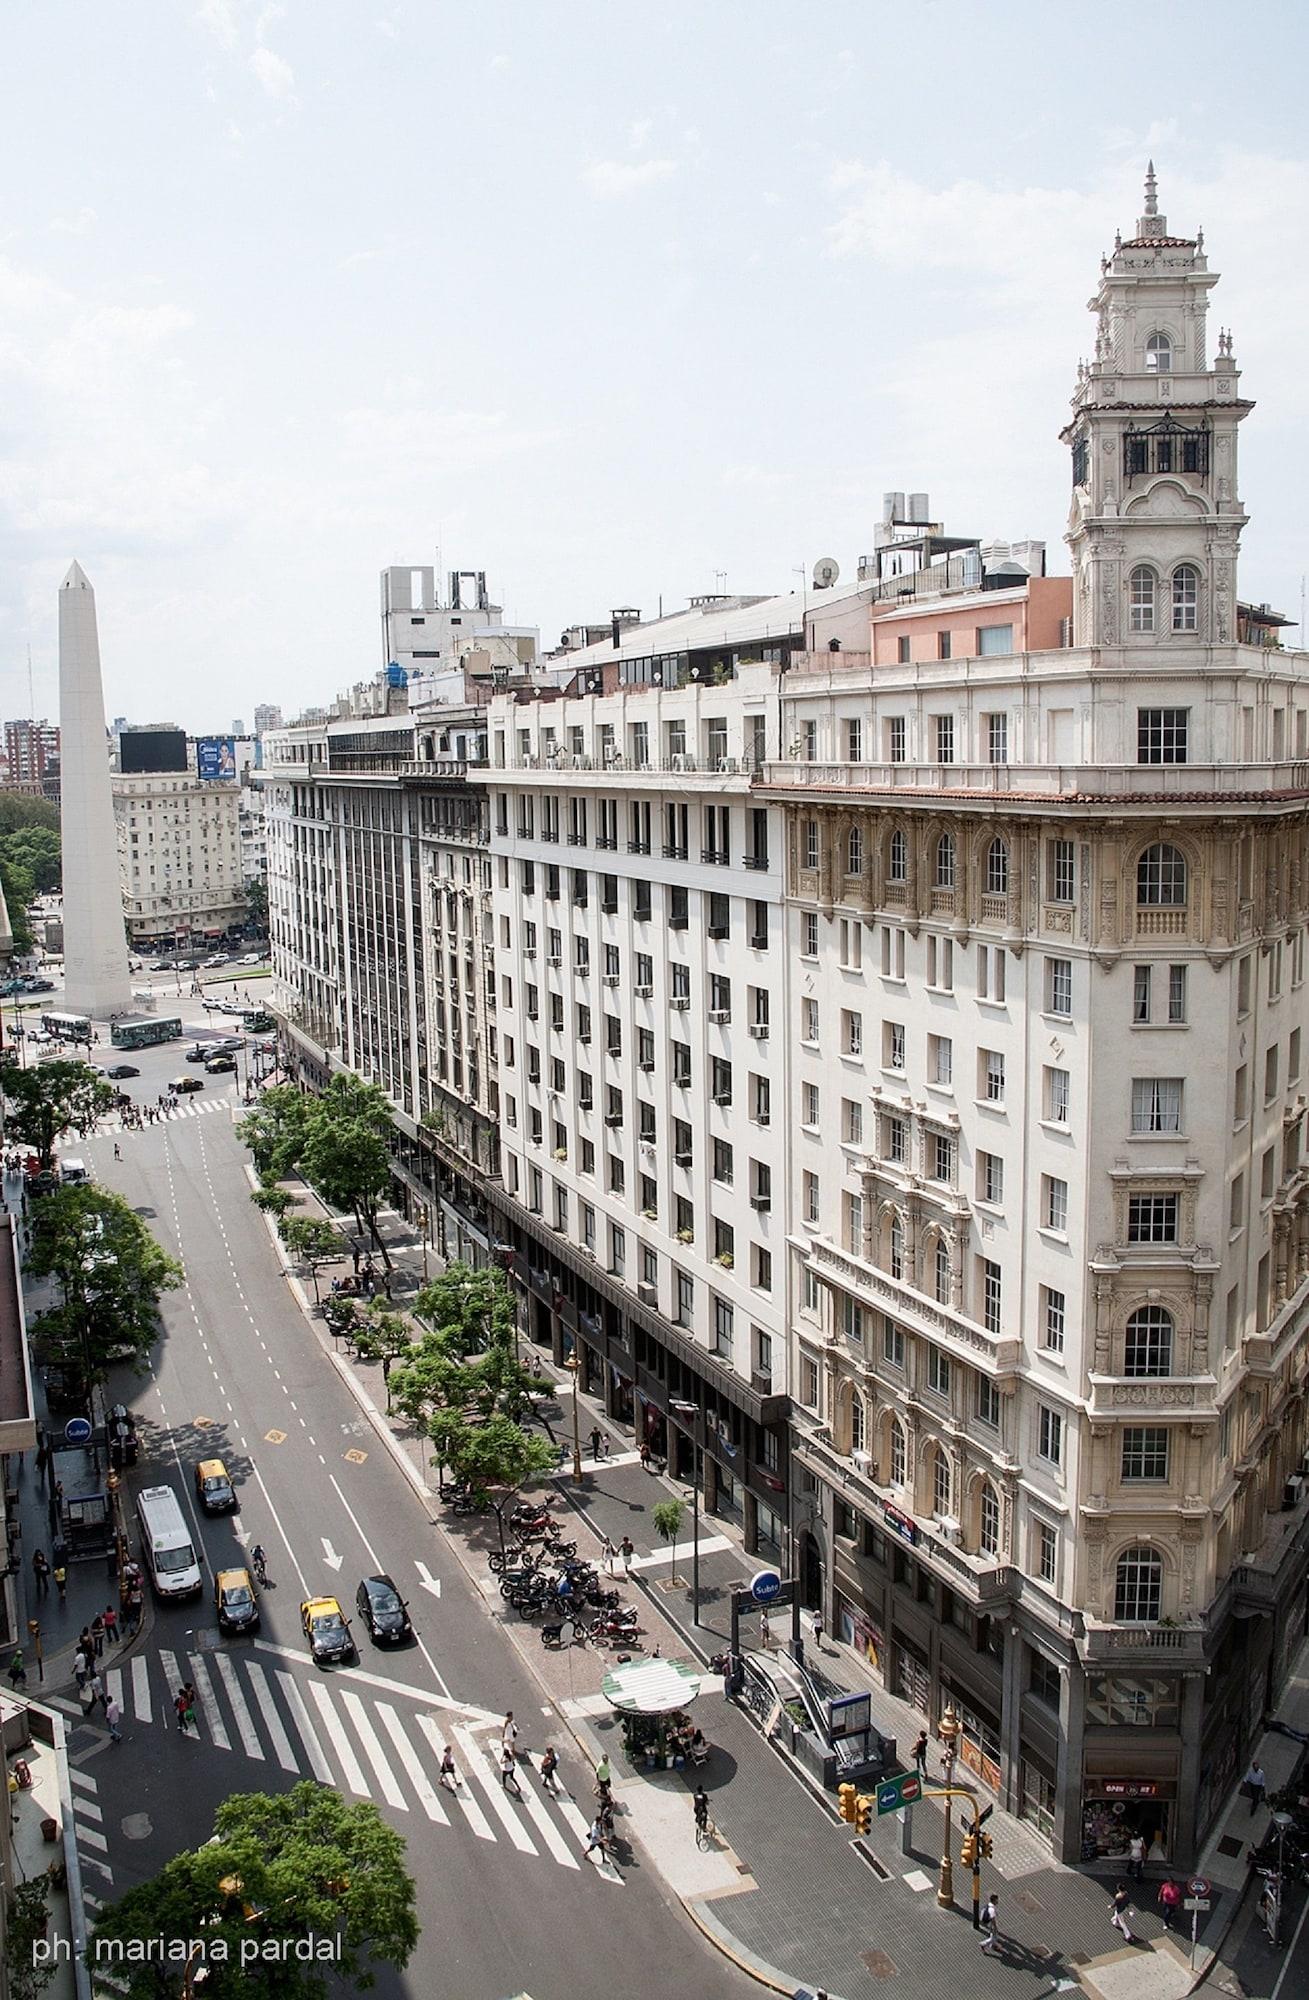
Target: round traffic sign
77, 1430
764, 1586
1197, 1886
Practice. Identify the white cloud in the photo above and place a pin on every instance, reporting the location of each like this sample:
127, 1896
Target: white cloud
612, 179
219, 18
273, 72
74, 225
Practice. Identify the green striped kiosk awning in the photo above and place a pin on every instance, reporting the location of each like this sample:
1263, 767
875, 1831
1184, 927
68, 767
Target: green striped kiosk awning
652, 1687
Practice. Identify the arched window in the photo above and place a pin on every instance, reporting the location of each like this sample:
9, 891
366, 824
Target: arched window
988, 1522
1138, 1586
1186, 598
944, 875
941, 1482
897, 1452
854, 852
1158, 354
858, 1426
897, 1250
897, 861
1141, 599
943, 1273
1161, 877
1148, 1348
997, 869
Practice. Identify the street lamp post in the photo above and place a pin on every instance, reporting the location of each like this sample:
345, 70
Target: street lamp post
692, 1411
574, 1366
948, 1731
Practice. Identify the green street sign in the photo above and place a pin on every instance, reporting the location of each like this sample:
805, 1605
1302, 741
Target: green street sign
894, 1793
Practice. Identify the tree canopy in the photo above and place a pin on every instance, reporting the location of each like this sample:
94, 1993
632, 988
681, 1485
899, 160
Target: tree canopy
286, 1876
110, 1275
275, 1130
339, 1141
52, 1098
256, 904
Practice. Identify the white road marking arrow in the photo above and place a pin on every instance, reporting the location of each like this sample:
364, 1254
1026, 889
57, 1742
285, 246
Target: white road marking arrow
428, 1581
330, 1557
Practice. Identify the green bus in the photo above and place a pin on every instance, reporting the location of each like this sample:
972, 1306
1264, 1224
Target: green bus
256, 1021
142, 1031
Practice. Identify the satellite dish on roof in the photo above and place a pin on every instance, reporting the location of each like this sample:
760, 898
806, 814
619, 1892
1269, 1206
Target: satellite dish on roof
825, 573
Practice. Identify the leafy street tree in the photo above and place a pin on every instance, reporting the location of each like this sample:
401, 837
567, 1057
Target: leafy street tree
287, 1880
667, 1517
275, 1130
18, 889
346, 1156
493, 1455
312, 1240
36, 850
51, 1099
110, 1275
256, 904
471, 1309
274, 1201
385, 1336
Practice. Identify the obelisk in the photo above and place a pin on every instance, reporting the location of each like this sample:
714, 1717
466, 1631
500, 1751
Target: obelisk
96, 980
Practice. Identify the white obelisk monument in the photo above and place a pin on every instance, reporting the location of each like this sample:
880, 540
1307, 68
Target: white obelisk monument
96, 980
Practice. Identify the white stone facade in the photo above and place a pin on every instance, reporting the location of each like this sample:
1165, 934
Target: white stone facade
179, 854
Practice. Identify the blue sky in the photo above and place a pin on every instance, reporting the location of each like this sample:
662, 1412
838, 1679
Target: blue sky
606, 300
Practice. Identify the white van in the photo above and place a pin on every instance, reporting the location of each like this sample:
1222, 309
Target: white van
74, 1173
167, 1549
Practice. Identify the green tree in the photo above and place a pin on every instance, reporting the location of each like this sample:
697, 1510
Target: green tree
18, 889
385, 1336
36, 849
274, 1201
21, 809
667, 1517
313, 1241
53, 1098
256, 904
346, 1156
109, 1274
493, 1455
472, 1308
276, 1129
298, 1869
27, 1923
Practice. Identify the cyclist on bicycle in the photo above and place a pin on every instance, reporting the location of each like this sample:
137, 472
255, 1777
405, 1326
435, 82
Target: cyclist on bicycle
701, 1803
260, 1562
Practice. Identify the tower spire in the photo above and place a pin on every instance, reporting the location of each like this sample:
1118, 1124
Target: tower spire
1151, 194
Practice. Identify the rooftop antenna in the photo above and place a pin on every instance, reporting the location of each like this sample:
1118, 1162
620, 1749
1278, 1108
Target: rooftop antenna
31, 697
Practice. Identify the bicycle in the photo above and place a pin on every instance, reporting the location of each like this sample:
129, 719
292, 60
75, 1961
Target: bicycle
706, 1834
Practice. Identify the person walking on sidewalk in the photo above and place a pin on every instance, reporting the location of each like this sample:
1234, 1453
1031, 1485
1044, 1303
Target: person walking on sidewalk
96, 1689
80, 1668
60, 1575
41, 1572
1136, 1858
1170, 1900
627, 1549
509, 1734
549, 1768
609, 1552
595, 1839
449, 1776
595, 1440
991, 1925
98, 1634
113, 1718
1255, 1785
920, 1753
509, 1771
111, 1625
818, 1631
1119, 1912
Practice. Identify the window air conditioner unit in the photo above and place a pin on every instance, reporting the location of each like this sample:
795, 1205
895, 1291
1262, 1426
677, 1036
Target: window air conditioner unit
613, 1117
679, 1000
720, 930
762, 1202
759, 1029
862, 1460
611, 978
950, 1531
644, 992
648, 1295
530, 952
720, 1015
554, 959
722, 1097
682, 1159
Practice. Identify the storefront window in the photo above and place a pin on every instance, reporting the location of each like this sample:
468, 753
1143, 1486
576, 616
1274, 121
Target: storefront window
769, 1529
1037, 1801
1117, 1809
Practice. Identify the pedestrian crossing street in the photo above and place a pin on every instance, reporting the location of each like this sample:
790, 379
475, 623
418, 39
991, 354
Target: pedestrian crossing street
359, 1742
113, 1126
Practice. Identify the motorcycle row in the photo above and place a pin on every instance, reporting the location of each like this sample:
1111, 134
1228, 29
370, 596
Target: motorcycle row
541, 1577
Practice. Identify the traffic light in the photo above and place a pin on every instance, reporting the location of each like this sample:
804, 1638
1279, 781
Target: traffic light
968, 1851
864, 1812
847, 1795
987, 1844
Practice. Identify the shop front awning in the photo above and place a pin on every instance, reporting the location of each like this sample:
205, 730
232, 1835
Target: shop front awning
651, 1687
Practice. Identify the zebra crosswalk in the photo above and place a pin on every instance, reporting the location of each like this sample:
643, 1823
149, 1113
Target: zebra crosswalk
113, 1126
356, 1739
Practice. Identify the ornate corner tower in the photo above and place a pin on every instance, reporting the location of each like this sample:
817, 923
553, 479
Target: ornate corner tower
1155, 524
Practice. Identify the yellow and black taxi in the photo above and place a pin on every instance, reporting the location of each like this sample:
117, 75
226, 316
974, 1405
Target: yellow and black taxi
235, 1601
213, 1487
327, 1629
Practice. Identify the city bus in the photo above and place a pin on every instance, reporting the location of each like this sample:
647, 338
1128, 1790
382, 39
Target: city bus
67, 1027
142, 1031
256, 1021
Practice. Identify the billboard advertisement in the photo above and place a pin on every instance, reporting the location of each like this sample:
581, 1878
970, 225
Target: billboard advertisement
145, 751
215, 756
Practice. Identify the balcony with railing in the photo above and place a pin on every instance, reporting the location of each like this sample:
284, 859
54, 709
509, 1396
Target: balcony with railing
1189, 784
996, 1354
1175, 1646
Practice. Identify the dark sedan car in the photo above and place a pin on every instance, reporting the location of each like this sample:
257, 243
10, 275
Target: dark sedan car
120, 1070
383, 1611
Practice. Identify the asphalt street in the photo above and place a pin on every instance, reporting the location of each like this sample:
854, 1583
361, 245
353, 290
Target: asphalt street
507, 1902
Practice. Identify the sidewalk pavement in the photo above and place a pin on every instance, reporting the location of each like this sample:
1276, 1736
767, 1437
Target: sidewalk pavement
787, 1893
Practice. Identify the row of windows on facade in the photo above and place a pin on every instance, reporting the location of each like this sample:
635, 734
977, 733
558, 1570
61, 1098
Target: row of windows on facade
1149, 1340
1161, 871
709, 740
716, 907
1162, 734
715, 822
